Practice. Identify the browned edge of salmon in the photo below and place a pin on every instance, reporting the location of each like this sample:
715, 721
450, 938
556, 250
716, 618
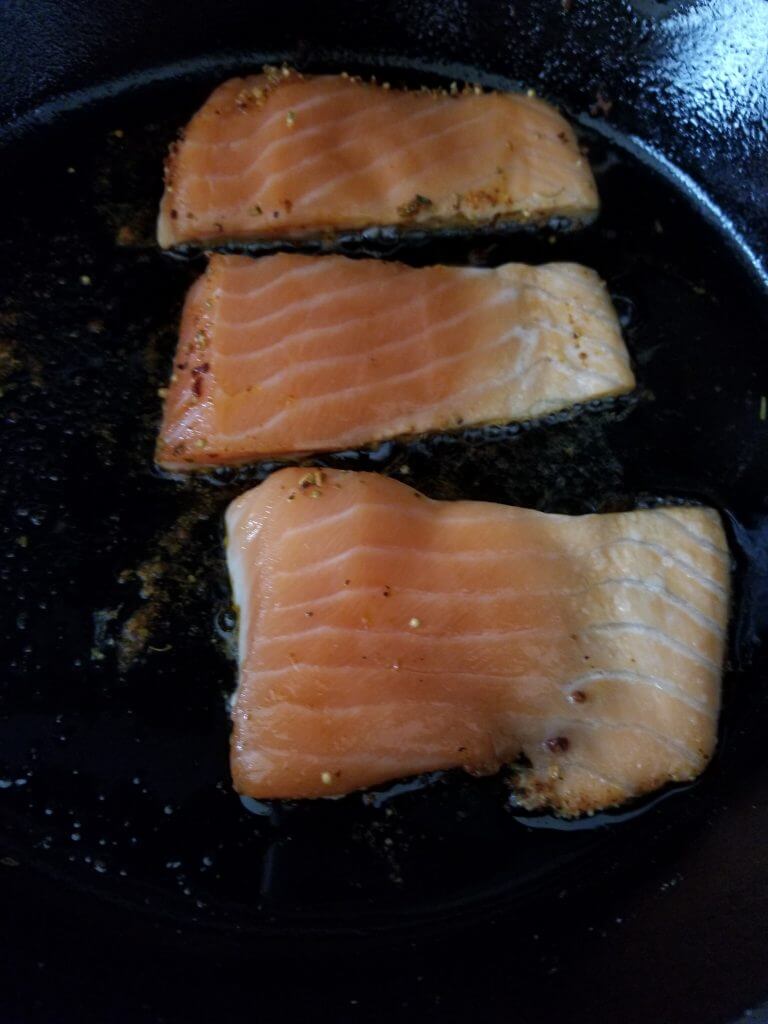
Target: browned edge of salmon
282, 155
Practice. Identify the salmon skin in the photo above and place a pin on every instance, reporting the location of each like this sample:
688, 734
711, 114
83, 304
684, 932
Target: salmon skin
384, 634
288, 156
289, 354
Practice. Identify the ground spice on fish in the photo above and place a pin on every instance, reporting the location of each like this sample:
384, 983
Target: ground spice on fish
557, 744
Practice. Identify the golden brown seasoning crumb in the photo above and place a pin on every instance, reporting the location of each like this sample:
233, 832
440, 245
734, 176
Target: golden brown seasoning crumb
314, 479
414, 206
126, 235
243, 99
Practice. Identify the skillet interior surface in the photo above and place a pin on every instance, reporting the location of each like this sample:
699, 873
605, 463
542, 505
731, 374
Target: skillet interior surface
116, 631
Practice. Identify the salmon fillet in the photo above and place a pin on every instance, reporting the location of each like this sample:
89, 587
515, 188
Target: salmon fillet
383, 634
283, 155
291, 354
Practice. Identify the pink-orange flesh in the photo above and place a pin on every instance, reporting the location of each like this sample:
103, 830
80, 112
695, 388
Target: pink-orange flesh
383, 634
271, 156
290, 354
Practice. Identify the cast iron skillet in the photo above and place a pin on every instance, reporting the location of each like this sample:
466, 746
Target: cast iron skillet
140, 885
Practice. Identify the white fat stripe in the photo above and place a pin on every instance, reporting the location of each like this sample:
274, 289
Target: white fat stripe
257, 128
423, 637
417, 636
311, 331
302, 129
307, 305
705, 542
668, 741
668, 687
318, 157
686, 607
361, 389
377, 379
614, 349
513, 553
643, 629
323, 188
664, 552
661, 683
301, 268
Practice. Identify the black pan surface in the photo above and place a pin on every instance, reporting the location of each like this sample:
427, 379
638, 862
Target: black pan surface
120, 824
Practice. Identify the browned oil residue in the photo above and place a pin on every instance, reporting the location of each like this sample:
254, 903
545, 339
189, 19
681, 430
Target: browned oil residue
172, 573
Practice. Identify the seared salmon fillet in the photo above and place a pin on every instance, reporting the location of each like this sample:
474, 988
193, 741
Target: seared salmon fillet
290, 354
284, 155
383, 634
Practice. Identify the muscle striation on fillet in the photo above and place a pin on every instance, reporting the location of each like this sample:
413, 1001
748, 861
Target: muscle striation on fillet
289, 354
292, 156
383, 634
